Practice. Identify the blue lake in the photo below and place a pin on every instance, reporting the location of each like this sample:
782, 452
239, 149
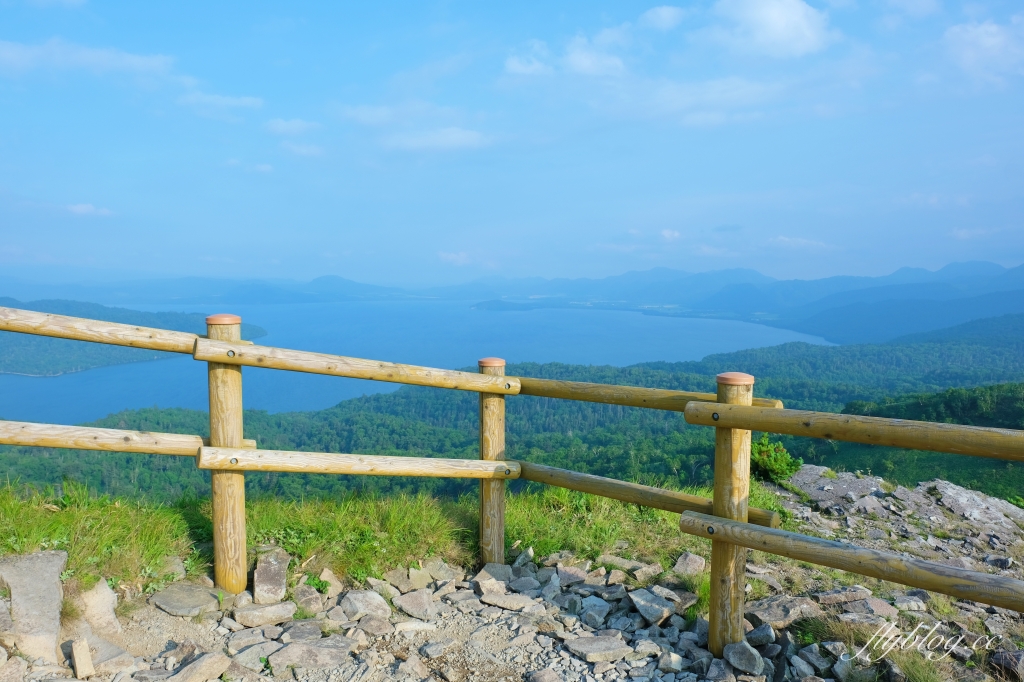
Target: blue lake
438, 334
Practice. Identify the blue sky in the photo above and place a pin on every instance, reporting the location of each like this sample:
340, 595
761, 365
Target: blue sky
419, 143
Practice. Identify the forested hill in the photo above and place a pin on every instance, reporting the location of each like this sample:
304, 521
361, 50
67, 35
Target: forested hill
1000, 406
43, 356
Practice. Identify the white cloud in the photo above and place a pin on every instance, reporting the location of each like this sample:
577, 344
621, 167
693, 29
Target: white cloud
437, 140
303, 149
915, 8
663, 18
295, 126
584, 58
526, 66
460, 258
800, 243
988, 50
89, 209
61, 55
777, 28
368, 114
670, 235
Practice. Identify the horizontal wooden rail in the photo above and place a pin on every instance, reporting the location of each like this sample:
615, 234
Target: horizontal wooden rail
230, 459
631, 396
900, 433
233, 353
633, 492
107, 440
81, 329
980, 587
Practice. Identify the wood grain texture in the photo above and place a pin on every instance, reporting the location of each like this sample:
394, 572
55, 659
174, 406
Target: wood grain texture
632, 396
82, 329
980, 587
235, 353
230, 565
977, 441
634, 493
731, 493
492, 493
107, 440
232, 459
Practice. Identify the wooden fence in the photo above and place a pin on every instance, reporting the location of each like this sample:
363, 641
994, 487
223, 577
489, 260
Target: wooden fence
725, 519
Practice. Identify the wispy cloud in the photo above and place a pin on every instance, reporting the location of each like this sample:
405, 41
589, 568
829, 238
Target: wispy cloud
988, 50
89, 209
294, 126
56, 54
303, 149
663, 18
800, 243
670, 235
589, 59
915, 8
777, 28
220, 107
976, 233
443, 139
460, 258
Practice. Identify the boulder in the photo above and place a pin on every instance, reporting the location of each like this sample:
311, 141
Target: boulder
670, 662
490, 586
412, 668
383, 588
801, 667
359, 603
524, 584
376, 625
204, 667
243, 598
270, 579
14, 670
648, 572
440, 571
545, 675
265, 614
1009, 662
653, 608
812, 655
107, 658
330, 652
99, 604
743, 657
761, 635
597, 649
499, 572
418, 604
308, 599
571, 575
399, 579
419, 578
781, 611
336, 587
720, 671
36, 596
689, 564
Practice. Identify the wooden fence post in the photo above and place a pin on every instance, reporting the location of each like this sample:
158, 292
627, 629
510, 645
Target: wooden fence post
732, 490
492, 447
229, 550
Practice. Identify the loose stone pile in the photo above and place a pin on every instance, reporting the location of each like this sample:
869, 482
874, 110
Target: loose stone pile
545, 619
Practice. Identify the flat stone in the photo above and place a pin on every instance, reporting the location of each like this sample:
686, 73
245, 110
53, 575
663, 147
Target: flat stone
152, 675
173, 568
205, 667
359, 603
336, 587
509, 602
670, 662
419, 578
436, 649
689, 564
443, 590
571, 575
720, 671
270, 579
418, 604
108, 658
6, 626
619, 562
616, 577
1011, 662
781, 611
36, 596
761, 635
250, 656
14, 670
186, 601
308, 599
597, 649
801, 667
330, 652
490, 586
873, 606
255, 615
98, 609
301, 631
415, 626
812, 655
861, 619
653, 608
499, 572
441, 571
399, 579
412, 668
376, 625
383, 588
243, 598
244, 639
594, 611
909, 604
81, 659
648, 572
524, 584
545, 675
742, 656
842, 595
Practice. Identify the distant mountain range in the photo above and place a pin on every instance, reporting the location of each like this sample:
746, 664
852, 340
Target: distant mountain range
841, 309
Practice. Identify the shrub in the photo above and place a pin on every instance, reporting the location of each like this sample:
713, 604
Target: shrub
771, 461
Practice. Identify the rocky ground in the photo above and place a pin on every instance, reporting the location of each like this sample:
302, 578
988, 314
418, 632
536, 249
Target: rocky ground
550, 618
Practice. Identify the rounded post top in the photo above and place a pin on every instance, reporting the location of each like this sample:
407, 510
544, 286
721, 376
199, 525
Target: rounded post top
735, 379
223, 318
491, 362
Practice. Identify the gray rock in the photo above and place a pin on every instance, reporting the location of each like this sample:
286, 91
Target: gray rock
308, 599
359, 603
375, 625
107, 658
552, 588
594, 610
81, 659
36, 595
1009, 662
689, 564
861, 619
769, 650
781, 611
597, 649
270, 579
243, 639
3, 656
559, 557
436, 649
7, 634
255, 615
499, 572
14, 670
186, 601
909, 604
571, 575
204, 667
842, 595
383, 588
670, 662
440, 571
509, 602
545, 675
250, 656
173, 568
569, 602
842, 669
336, 587
872, 606
1002, 562
243, 598
419, 578
301, 631
720, 671
330, 652
835, 649
923, 595
619, 562
648, 572
653, 608
761, 635
700, 628
418, 604
412, 668
524, 558
524, 584
99, 604
801, 667
151, 675
743, 657
812, 655
490, 586
399, 579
